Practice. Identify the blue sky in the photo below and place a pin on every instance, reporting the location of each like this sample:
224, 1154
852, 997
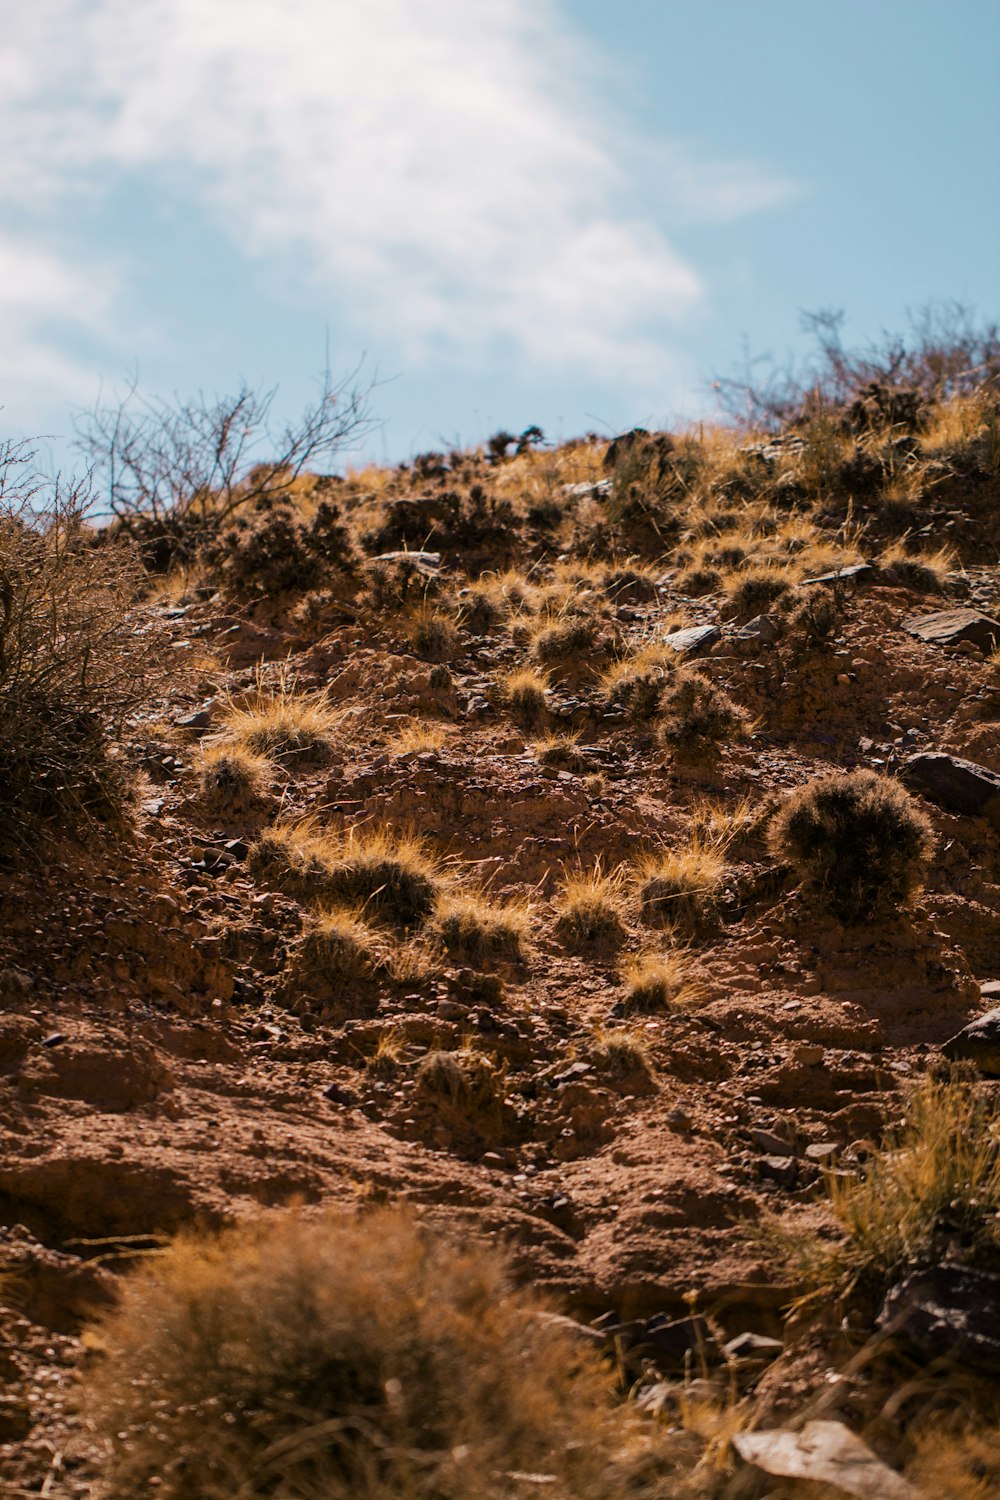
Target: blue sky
518, 211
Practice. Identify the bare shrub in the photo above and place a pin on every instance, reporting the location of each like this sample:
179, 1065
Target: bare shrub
699, 716
175, 471
76, 655
859, 839
343, 1357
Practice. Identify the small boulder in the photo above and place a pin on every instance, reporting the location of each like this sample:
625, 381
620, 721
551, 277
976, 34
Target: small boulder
958, 785
760, 629
978, 1043
953, 627
693, 640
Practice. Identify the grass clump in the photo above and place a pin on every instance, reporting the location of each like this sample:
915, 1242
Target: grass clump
699, 716
279, 722
753, 589
858, 839
232, 778
473, 929
930, 1193
358, 1358
638, 682
526, 693
418, 738
383, 874
336, 947
679, 887
656, 983
590, 910
563, 752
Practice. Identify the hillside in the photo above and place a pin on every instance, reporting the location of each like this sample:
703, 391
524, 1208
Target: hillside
422, 842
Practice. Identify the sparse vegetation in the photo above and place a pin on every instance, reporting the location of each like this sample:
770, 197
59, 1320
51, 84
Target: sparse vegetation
526, 692
858, 839
384, 875
679, 887
590, 910
77, 657
234, 779
699, 716
472, 928
657, 982
280, 722
352, 1357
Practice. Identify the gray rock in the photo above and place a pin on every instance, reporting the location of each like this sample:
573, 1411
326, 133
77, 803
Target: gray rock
854, 573
977, 1043
761, 628
771, 1144
952, 627
959, 785
990, 989
948, 1311
693, 640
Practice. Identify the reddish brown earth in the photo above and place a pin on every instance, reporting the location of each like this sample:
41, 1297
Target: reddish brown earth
155, 1073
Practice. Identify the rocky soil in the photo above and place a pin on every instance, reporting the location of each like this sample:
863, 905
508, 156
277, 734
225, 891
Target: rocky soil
169, 1059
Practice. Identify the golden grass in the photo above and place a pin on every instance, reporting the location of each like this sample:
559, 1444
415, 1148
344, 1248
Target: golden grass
679, 887
348, 1357
337, 946
417, 738
931, 1189
474, 928
927, 569
658, 982
382, 873
562, 751
590, 909
232, 777
281, 722
621, 1050
525, 690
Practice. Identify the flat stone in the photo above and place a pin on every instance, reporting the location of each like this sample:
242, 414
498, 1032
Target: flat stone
771, 1144
978, 1043
200, 719
948, 1311
695, 639
952, 627
959, 785
825, 1453
761, 628
854, 573
990, 989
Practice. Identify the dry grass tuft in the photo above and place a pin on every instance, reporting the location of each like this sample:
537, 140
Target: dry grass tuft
621, 1051
282, 723
233, 779
679, 887
357, 1358
473, 929
590, 910
563, 752
699, 716
526, 693
638, 682
930, 1193
383, 874
418, 738
657, 982
336, 947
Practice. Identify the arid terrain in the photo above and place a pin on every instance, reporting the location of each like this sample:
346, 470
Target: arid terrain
445, 872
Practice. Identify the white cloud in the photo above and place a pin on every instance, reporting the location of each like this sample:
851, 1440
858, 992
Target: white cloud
451, 179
